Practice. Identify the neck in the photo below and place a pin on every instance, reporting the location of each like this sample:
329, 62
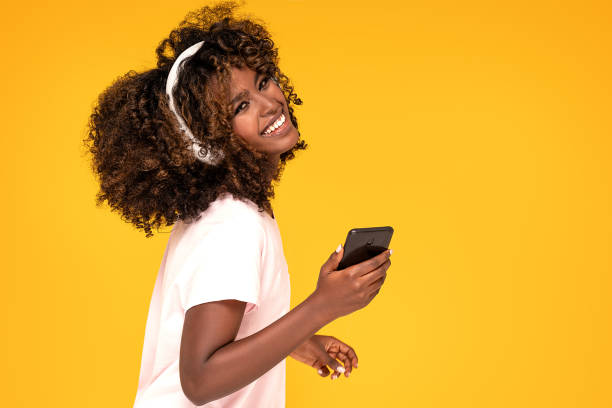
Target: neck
274, 159
272, 171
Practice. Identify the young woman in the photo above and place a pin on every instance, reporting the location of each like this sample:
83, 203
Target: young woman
197, 143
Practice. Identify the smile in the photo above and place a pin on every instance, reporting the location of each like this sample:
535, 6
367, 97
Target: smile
278, 127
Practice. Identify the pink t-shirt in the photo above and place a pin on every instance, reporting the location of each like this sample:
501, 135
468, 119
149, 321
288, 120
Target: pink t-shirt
232, 252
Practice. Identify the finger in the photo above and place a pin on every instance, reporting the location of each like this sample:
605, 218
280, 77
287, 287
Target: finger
346, 362
346, 354
373, 295
334, 259
350, 353
378, 282
322, 369
376, 274
336, 366
332, 351
353, 356
372, 263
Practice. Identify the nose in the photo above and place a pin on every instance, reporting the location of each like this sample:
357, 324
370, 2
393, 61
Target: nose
268, 105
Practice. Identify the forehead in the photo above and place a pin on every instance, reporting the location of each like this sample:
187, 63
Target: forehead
239, 80
241, 77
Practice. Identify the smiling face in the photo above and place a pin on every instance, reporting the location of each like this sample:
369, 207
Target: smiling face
260, 113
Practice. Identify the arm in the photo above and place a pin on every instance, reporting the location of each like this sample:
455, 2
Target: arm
213, 365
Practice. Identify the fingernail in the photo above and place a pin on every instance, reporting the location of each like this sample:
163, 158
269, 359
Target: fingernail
333, 376
339, 248
347, 374
355, 365
390, 251
320, 371
340, 369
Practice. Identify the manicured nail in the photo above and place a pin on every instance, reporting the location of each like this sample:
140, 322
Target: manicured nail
347, 374
339, 248
320, 372
333, 376
355, 365
390, 251
340, 369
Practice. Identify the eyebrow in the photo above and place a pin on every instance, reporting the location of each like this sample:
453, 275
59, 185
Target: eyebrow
245, 92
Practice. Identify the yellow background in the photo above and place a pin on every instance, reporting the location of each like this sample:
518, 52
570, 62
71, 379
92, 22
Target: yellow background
480, 131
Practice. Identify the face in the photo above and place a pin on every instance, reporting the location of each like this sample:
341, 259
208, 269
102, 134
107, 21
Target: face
259, 107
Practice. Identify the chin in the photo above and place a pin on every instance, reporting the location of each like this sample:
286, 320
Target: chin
292, 138
283, 145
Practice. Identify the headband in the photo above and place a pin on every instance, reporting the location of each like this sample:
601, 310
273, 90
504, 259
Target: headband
202, 153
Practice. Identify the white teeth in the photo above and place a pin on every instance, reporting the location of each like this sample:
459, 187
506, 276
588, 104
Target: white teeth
276, 124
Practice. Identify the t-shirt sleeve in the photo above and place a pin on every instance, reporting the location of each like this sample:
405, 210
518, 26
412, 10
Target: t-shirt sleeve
225, 264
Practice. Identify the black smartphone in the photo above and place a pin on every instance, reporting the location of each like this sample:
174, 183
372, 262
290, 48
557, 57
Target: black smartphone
364, 243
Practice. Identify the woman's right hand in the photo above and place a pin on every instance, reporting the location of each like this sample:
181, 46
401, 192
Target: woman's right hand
347, 290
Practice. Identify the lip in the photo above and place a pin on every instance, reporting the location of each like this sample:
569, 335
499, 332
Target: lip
273, 120
281, 130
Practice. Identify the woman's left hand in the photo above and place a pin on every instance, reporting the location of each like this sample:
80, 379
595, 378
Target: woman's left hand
322, 351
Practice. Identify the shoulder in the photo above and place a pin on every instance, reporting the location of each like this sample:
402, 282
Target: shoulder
229, 209
227, 215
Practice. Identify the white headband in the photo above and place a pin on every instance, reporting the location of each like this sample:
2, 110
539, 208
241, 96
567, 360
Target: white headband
201, 152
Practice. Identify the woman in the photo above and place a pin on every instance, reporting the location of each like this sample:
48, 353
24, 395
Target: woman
197, 143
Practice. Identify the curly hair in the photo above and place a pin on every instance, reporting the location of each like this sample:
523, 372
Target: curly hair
144, 165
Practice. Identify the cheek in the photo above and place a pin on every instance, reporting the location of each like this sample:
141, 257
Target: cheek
246, 128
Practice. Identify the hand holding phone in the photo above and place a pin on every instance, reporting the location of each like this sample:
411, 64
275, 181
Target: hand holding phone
344, 290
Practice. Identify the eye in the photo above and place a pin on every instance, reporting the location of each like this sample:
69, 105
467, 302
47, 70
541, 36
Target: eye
266, 80
262, 85
238, 108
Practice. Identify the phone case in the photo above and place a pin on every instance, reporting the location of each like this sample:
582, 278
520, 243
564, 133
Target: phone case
364, 243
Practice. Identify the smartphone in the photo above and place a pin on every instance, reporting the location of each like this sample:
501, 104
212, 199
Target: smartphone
364, 243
